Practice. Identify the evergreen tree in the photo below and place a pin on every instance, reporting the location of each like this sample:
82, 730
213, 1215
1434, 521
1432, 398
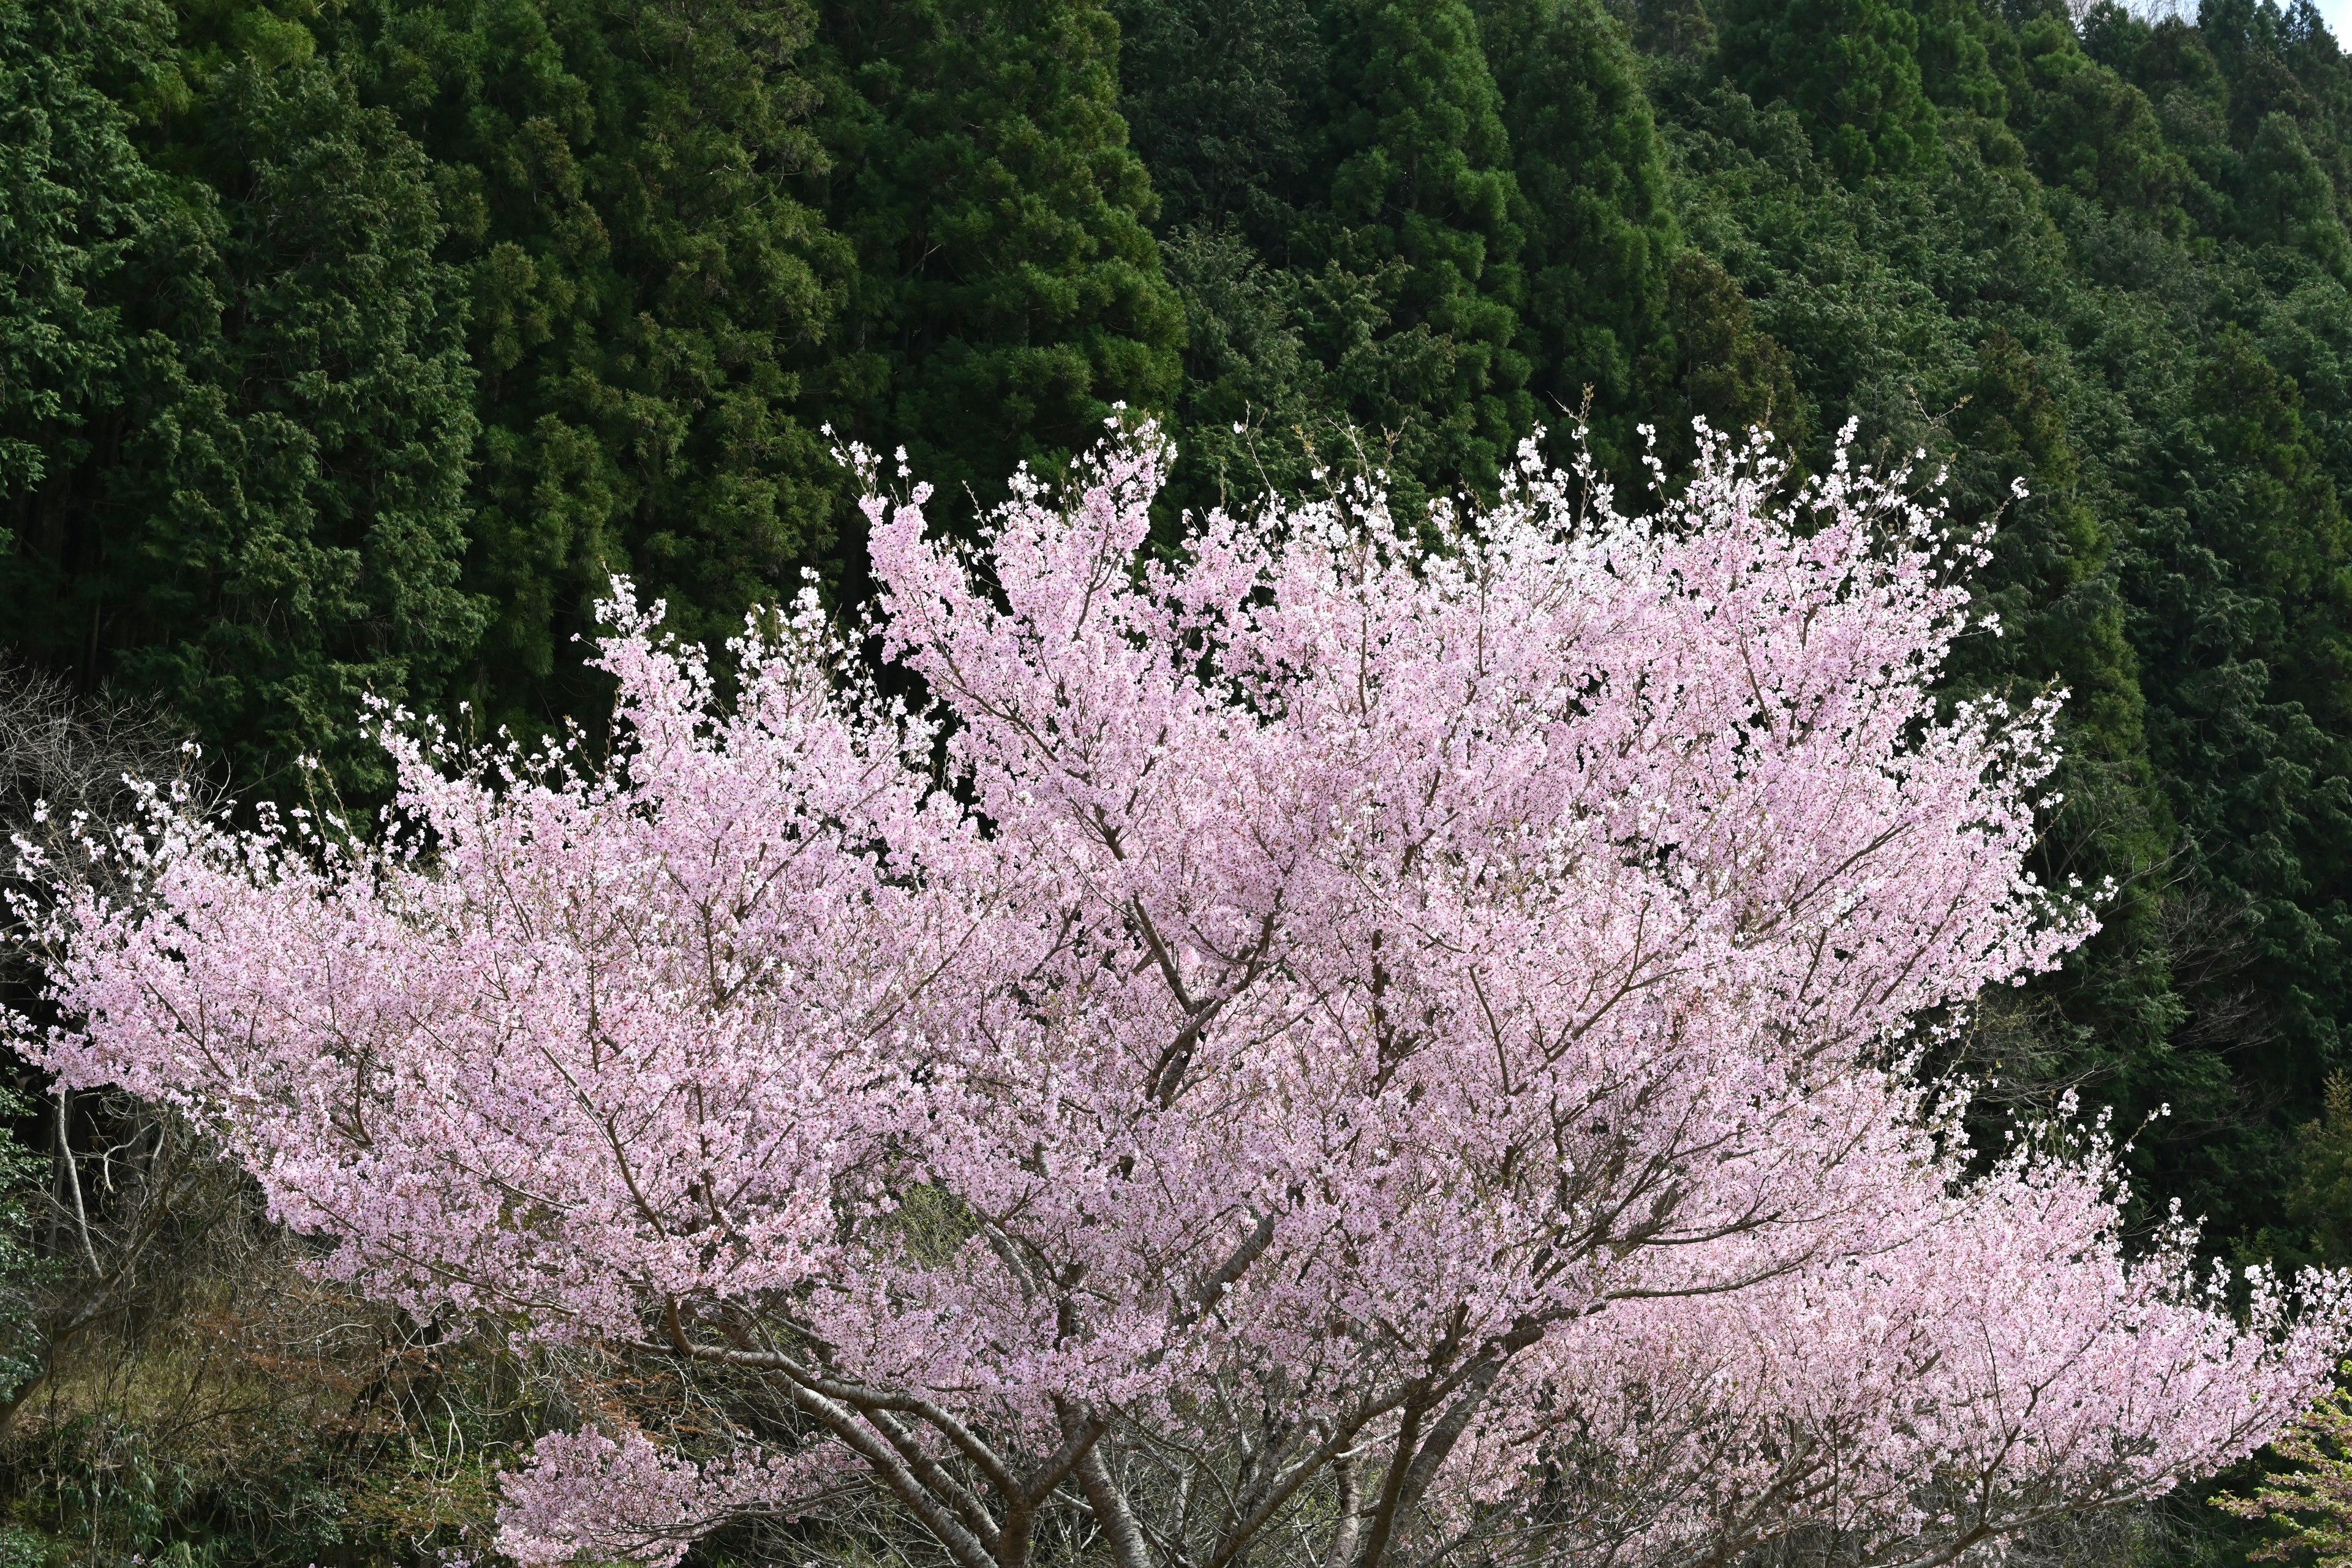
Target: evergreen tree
2241, 608
1725, 370
1255, 416
2108, 1018
1850, 67
649, 299
2252, 42
1414, 268
2211, 988
1221, 99
269, 524
1592, 203
2090, 131
1007, 291
2319, 1203
74, 193
1678, 32
2170, 64
1965, 54
2287, 199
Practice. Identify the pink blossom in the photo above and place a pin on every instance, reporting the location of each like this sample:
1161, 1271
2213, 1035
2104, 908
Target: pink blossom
585, 1494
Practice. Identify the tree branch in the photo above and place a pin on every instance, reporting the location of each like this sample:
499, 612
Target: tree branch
962, 1544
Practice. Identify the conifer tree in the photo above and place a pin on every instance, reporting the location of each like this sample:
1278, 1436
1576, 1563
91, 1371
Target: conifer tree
2051, 584
2287, 199
648, 297
1678, 31
1256, 416
74, 192
2092, 133
1222, 102
2250, 42
1415, 267
1964, 52
1849, 67
270, 523
1725, 369
1593, 205
2241, 618
1007, 291
2169, 62
2319, 1203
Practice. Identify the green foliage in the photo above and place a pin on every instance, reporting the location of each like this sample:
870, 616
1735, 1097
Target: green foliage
354, 352
2046, 581
1679, 32
2051, 587
1725, 370
2288, 199
2240, 615
1967, 58
2092, 133
2309, 1506
1593, 205
1447, 222
267, 520
2084, 295
76, 193
2319, 1203
1007, 291
647, 297
1413, 261
1221, 99
2170, 63
1850, 67
1254, 412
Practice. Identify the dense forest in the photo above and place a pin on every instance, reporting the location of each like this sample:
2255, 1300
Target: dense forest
350, 347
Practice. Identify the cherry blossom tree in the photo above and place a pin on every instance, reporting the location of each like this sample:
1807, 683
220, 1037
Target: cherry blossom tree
1359, 1039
